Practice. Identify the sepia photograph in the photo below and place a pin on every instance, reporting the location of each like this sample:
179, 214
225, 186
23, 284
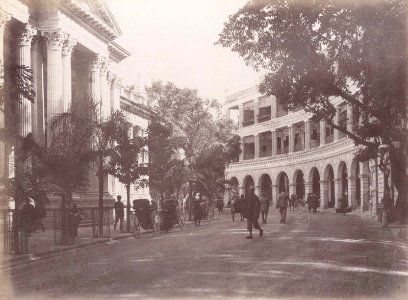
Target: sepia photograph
204, 149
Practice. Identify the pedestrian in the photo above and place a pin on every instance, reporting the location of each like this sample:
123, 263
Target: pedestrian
220, 205
316, 202
119, 208
252, 210
282, 205
197, 209
233, 204
27, 217
241, 204
39, 213
73, 222
292, 201
264, 207
309, 201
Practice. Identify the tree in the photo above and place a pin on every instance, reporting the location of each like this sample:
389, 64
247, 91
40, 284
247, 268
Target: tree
123, 162
103, 142
65, 163
316, 52
161, 144
186, 121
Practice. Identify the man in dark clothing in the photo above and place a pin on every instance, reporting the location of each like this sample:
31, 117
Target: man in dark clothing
197, 209
309, 201
315, 202
252, 210
119, 213
282, 205
27, 217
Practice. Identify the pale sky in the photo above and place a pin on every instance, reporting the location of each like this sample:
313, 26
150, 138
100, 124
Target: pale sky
173, 40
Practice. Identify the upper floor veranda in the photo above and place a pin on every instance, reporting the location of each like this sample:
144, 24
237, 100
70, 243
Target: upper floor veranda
267, 129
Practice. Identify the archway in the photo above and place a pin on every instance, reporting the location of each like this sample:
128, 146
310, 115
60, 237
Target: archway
355, 188
299, 182
283, 182
342, 175
234, 185
248, 183
315, 180
329, 178
265, 184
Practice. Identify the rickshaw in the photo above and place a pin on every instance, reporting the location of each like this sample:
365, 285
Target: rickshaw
171, 214
145, 216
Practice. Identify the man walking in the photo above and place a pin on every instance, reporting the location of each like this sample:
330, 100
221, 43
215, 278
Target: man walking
282, 205
253, 206
119, 213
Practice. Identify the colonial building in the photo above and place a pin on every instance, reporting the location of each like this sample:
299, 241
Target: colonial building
70, 47
286, 150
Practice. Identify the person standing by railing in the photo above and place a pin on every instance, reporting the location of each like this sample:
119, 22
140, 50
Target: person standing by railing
119, 208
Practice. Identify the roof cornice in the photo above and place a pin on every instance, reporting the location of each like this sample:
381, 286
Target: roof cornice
118, 51
91, 19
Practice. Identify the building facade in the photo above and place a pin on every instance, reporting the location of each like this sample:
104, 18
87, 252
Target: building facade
70, 47
286, 150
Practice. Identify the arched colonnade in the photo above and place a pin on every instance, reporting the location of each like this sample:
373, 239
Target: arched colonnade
330, 181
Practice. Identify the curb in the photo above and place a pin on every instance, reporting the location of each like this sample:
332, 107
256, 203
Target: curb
28, 258
18, 260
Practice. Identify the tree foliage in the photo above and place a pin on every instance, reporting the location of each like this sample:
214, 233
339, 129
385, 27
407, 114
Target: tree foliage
318, 51
195, 125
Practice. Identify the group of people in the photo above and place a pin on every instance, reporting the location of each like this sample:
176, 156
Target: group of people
252, 207
313, 202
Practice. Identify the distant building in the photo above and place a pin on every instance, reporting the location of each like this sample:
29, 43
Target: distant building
70, 47
286, 151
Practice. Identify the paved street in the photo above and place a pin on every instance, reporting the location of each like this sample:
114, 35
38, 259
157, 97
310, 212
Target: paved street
312, 256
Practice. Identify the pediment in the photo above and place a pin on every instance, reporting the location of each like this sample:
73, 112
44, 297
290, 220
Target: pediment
101, 10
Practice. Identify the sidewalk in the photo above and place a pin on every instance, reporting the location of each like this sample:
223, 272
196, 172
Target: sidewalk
41, 244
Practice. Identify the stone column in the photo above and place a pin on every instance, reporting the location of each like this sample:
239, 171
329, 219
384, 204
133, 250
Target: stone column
241, 115
115, 93
350, 118
256, 144
94, 87
308, 188
258, 190
105, 105
351, 191
337, 190
241, 155
307, 134
292, 189
275, 192
336, 135
256, 110
274, 142
4, 18
24, 59
54, 40
365, 186
291, 139
67, 48
323, 194
322, 127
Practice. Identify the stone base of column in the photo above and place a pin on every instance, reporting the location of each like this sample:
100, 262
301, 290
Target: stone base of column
91, 199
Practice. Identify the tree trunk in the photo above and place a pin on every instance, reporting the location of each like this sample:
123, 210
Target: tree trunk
128, 207
100, 195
